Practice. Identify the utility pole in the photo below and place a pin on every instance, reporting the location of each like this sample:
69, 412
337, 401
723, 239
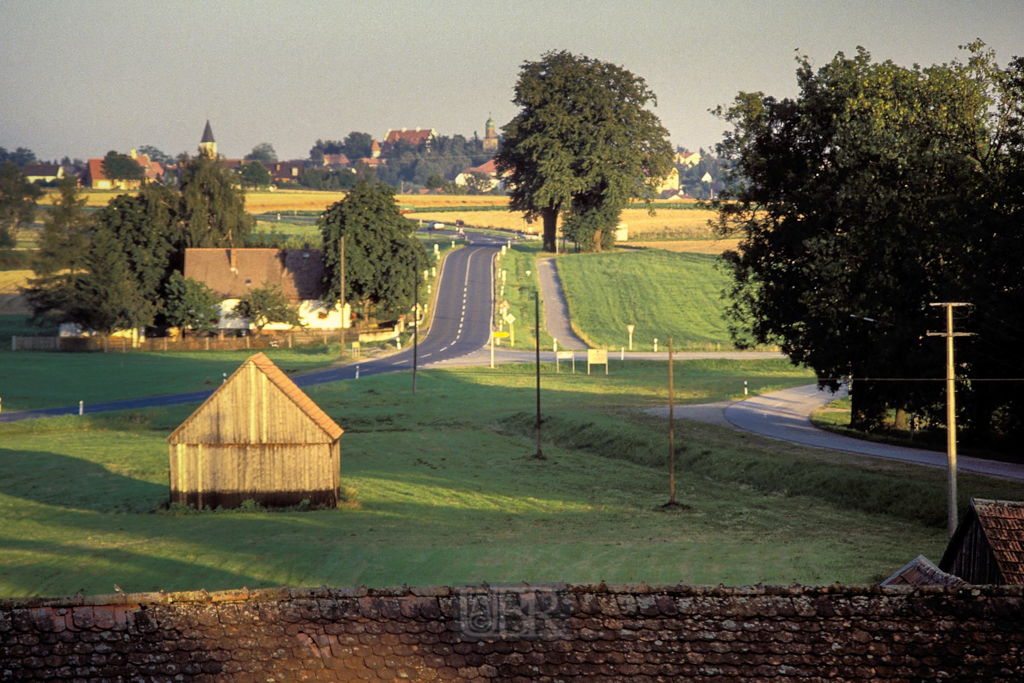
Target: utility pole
949, 334
671, 431
341, 297
415, 317
539, 455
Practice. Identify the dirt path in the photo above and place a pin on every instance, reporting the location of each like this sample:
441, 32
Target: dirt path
556, 312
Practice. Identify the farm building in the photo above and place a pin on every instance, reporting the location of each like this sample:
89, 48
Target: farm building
988, 546
257, 437
231, 273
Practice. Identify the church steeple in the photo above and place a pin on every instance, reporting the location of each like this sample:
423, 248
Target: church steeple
208, 146
490, 136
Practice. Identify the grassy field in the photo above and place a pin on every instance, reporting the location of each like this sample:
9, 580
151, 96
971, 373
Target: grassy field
42, 380
664, 294
442, 492
705, 246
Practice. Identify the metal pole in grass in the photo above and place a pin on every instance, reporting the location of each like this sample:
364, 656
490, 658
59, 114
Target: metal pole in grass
539, 455
415, 320
671, 431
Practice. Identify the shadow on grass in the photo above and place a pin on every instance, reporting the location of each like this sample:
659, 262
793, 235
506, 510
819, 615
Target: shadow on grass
73, 483
98, 571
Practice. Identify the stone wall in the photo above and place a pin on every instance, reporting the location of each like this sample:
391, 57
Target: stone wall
521, 633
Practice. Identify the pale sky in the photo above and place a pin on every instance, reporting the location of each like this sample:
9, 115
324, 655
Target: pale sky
82, 78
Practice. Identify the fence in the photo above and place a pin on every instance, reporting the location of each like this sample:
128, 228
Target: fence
124, 345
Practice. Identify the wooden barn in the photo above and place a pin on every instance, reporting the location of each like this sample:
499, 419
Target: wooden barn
988, 546
257, 437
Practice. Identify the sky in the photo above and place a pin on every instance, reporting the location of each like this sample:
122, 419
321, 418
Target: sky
82, 78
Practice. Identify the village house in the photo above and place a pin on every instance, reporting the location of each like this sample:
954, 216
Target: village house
259, 438
43, 173
95, 178
414, 136
232, 273
487, 169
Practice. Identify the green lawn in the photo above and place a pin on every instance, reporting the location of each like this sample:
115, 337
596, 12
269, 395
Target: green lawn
444, 493
663, 294
35, 379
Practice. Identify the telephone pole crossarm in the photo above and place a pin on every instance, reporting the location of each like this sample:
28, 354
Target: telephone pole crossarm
950, 334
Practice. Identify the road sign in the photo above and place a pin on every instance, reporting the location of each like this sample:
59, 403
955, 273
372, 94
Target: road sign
597, 357
500, 335
510, 318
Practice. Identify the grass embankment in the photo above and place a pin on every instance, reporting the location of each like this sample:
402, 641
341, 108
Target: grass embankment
447, 494
663, 294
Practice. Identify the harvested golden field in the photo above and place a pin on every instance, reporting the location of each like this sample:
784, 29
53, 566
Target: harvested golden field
683, 223
689, 246
12, 280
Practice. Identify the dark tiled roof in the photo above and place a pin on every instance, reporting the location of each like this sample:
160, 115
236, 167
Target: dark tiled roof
1003, 523
208, 133
41, 169
922, 572
231, 273
416, 136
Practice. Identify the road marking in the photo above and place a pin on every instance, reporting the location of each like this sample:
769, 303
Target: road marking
444, 349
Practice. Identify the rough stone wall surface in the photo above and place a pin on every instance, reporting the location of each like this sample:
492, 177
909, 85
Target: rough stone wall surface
521, 633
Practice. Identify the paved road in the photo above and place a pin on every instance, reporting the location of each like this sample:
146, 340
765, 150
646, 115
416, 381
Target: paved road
461, 325
556, 311
785, 415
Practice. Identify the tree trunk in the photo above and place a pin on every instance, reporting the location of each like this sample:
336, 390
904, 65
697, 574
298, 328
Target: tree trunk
866, 411
550, 216
597, 239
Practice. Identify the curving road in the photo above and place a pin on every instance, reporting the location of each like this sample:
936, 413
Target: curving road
785, 415
461, 325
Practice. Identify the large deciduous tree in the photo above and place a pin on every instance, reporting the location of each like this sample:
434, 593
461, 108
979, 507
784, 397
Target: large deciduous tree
381, 252
122, 167
875, 191
213, 205
584, 143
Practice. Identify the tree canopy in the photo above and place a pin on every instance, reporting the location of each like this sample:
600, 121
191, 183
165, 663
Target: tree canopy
119, 166
213, 205
267, 304
584, 143
21, 156
262, 152
877, 190
17, 203
381, 252
191, 304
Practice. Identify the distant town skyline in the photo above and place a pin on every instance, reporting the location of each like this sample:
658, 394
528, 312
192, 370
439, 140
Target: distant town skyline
79, 79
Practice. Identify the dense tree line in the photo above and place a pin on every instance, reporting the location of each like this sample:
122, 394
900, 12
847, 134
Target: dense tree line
114, 269
878, 190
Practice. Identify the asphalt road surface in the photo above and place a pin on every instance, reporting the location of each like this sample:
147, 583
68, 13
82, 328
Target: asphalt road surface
461, 325
785, 415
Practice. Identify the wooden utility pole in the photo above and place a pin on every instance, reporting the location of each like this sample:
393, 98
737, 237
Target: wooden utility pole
539, 455
415, 318
671, 431
949, 334
341, 296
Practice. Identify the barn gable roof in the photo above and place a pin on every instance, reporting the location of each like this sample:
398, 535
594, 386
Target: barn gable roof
1002, 522
287, 387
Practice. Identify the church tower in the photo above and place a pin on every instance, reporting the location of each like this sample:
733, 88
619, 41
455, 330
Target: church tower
208, 146
490, 137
